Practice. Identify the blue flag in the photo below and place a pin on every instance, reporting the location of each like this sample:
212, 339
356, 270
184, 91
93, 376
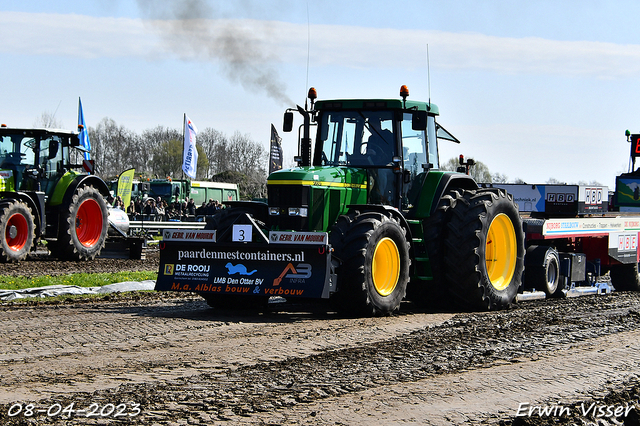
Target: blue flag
84, 134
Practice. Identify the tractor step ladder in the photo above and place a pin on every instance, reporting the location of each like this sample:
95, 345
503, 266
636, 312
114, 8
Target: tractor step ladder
422, 264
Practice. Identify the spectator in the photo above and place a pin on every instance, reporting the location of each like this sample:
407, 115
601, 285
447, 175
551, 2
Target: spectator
160, 211
139, 206
191, 207
119, 203
211, 208
202, 210
150, 209
131, 211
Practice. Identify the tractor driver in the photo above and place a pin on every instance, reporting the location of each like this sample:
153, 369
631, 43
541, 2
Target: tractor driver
380, 149
379, 144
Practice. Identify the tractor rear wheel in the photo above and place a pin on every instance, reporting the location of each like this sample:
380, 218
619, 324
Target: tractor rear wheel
17, 227
625, 277
374, 250
83, 226
484, 249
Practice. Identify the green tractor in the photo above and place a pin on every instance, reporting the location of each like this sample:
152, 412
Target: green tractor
43, 196
387, 222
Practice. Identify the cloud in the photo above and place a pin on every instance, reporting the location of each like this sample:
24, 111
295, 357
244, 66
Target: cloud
269, 43
74, 35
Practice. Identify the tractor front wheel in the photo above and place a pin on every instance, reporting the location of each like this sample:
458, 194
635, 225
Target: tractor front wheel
17, 227
373, 277
83, 226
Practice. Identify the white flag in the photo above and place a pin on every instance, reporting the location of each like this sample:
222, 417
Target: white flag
190, 154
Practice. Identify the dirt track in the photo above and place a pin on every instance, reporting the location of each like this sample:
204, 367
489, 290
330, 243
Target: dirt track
184, 363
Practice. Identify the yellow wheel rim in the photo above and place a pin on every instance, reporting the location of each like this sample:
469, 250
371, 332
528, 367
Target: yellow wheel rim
501, 251
386, 266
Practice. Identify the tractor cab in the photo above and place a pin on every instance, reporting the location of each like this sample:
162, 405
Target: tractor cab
394, 141
33, 160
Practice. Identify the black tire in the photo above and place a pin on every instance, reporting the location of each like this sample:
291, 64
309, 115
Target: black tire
542, 270
17, 227
433, 294
135, 249
225, 218
625, 277
221, 222
83, 226
484, 249
373, 276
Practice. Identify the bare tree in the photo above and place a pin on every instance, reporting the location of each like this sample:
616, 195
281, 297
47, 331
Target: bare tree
167, 160
499, 178
48, 121
213, 144
111, 148
479, 172
149, 144
158, 152
554, 181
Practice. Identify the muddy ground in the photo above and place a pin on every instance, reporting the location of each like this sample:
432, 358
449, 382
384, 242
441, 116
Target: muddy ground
169, 359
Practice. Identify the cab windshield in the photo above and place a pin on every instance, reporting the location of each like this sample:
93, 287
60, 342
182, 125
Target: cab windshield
17, 150
358, 138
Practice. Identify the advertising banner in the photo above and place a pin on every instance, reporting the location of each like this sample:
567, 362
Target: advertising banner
251, 269
125, 182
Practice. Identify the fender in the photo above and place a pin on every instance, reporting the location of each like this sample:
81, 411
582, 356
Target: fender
70, 182
63, 193
84, 180
451, 181
432, 186
382, 208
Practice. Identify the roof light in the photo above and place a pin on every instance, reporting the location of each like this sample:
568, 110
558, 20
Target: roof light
404, 92
313, 95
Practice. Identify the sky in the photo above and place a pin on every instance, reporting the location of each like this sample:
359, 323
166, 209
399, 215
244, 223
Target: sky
536, 90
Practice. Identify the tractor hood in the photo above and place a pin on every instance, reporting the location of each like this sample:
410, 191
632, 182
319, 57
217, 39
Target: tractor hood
312, 198
334, 177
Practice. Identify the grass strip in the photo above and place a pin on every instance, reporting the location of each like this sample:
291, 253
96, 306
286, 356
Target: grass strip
80, 280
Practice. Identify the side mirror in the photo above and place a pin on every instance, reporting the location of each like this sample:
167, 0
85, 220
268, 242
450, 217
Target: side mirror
53, 149
419, 121
287, 126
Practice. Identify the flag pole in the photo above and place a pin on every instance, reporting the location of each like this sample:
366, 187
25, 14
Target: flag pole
184, 123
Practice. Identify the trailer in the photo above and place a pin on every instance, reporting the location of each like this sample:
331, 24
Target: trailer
367, 219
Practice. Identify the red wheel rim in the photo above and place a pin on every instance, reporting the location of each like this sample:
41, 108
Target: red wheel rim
17, 232
89, 223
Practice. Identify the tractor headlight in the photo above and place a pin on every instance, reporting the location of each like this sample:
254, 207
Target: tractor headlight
274, 211
298, 211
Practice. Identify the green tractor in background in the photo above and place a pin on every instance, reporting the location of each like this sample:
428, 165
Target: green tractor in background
397, 225
43, 196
